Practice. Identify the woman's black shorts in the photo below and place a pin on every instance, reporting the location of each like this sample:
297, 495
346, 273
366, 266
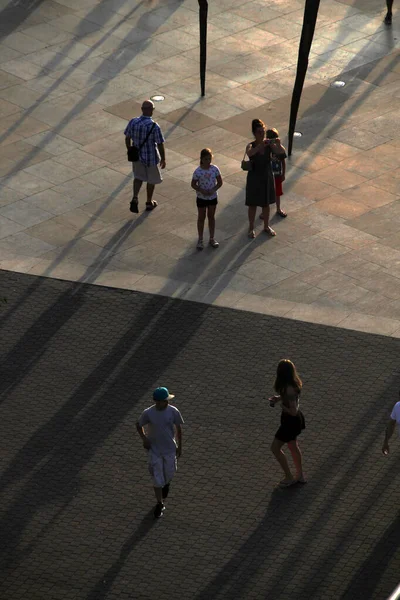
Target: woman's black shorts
291, 427
204, 203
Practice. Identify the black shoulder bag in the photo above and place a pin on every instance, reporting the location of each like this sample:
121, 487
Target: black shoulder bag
134, 151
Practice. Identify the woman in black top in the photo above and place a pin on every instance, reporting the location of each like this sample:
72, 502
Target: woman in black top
288, 387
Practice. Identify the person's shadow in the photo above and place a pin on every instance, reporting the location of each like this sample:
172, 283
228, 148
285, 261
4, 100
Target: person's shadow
106, 581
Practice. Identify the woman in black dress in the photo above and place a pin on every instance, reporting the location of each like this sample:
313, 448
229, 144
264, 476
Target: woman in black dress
288, 387
260, 184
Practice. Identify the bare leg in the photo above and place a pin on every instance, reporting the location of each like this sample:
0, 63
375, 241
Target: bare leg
211, 220
265, 214
267, 228
150, 192
200, 221
252, 215
297, 458
137, 184
276, 448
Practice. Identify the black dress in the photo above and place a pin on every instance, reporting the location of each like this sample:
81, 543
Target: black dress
260, 183
291, 425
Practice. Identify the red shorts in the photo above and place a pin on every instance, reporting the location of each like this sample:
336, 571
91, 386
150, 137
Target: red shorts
278, 185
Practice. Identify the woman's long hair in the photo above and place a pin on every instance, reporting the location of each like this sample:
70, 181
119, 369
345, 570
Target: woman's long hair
286, 375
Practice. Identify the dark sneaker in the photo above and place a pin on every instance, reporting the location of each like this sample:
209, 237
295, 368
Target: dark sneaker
165, 491
159, 509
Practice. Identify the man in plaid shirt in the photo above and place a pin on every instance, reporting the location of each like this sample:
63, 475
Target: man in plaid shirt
151, 154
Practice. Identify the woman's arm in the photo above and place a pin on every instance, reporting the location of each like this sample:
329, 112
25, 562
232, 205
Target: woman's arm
274, 400
277, 148
250, 151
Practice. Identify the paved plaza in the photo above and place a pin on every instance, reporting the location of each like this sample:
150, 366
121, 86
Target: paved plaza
79, 361
78, 366
73, 72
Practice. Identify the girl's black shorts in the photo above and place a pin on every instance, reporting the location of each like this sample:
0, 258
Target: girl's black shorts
204, 203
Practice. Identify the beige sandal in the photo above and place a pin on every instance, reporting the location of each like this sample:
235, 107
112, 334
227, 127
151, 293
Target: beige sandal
270, 231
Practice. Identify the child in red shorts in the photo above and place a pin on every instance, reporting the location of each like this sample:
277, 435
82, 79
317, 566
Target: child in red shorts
278, 169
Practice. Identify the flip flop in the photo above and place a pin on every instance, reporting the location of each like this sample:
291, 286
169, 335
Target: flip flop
281, 213
151, 205
287, 483
270, 231
252, 234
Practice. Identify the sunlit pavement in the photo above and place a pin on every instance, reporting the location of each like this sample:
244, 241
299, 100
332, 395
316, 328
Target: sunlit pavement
73, 72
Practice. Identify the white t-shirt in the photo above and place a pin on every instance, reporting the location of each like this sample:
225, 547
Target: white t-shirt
207, 179
161, 431
395, 416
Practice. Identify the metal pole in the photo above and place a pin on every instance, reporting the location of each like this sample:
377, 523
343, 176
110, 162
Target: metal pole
309, 21
395, 594
203, 14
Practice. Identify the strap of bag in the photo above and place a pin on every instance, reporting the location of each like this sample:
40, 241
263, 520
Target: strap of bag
147, 137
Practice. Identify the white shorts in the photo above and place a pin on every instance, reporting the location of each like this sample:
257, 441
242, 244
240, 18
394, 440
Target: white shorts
150, 174
162, 468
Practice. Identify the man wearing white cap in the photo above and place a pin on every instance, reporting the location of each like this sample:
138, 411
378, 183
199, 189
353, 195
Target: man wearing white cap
163, 440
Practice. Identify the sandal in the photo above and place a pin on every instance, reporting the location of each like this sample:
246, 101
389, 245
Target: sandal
281, 213
270, 231
301, 479
287, 482
213, 243
200, 245
134, 206
151, 205
252, 234
388, 20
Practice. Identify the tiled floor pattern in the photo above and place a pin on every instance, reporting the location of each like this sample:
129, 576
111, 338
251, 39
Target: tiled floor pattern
72, 73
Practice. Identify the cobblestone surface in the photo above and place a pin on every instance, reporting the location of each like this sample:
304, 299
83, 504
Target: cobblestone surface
78, 366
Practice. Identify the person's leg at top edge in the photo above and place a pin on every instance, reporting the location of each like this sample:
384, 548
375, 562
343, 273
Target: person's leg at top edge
388, 17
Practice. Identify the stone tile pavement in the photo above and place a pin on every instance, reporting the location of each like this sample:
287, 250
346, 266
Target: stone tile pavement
78, 366
72, 73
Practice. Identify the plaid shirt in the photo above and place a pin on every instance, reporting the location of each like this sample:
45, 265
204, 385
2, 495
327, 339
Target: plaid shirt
137, 129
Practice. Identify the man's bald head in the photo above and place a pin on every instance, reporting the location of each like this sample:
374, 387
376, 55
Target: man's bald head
147, 108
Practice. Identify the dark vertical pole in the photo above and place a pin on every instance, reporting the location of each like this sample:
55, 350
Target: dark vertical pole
309, 21
203, 13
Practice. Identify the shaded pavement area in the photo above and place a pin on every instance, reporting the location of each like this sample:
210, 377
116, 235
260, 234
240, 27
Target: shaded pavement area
79, 363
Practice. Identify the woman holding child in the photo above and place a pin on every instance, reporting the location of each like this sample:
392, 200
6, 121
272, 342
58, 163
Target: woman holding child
260, 186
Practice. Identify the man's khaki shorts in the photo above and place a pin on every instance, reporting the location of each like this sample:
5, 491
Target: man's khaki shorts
162, 468
150, 174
